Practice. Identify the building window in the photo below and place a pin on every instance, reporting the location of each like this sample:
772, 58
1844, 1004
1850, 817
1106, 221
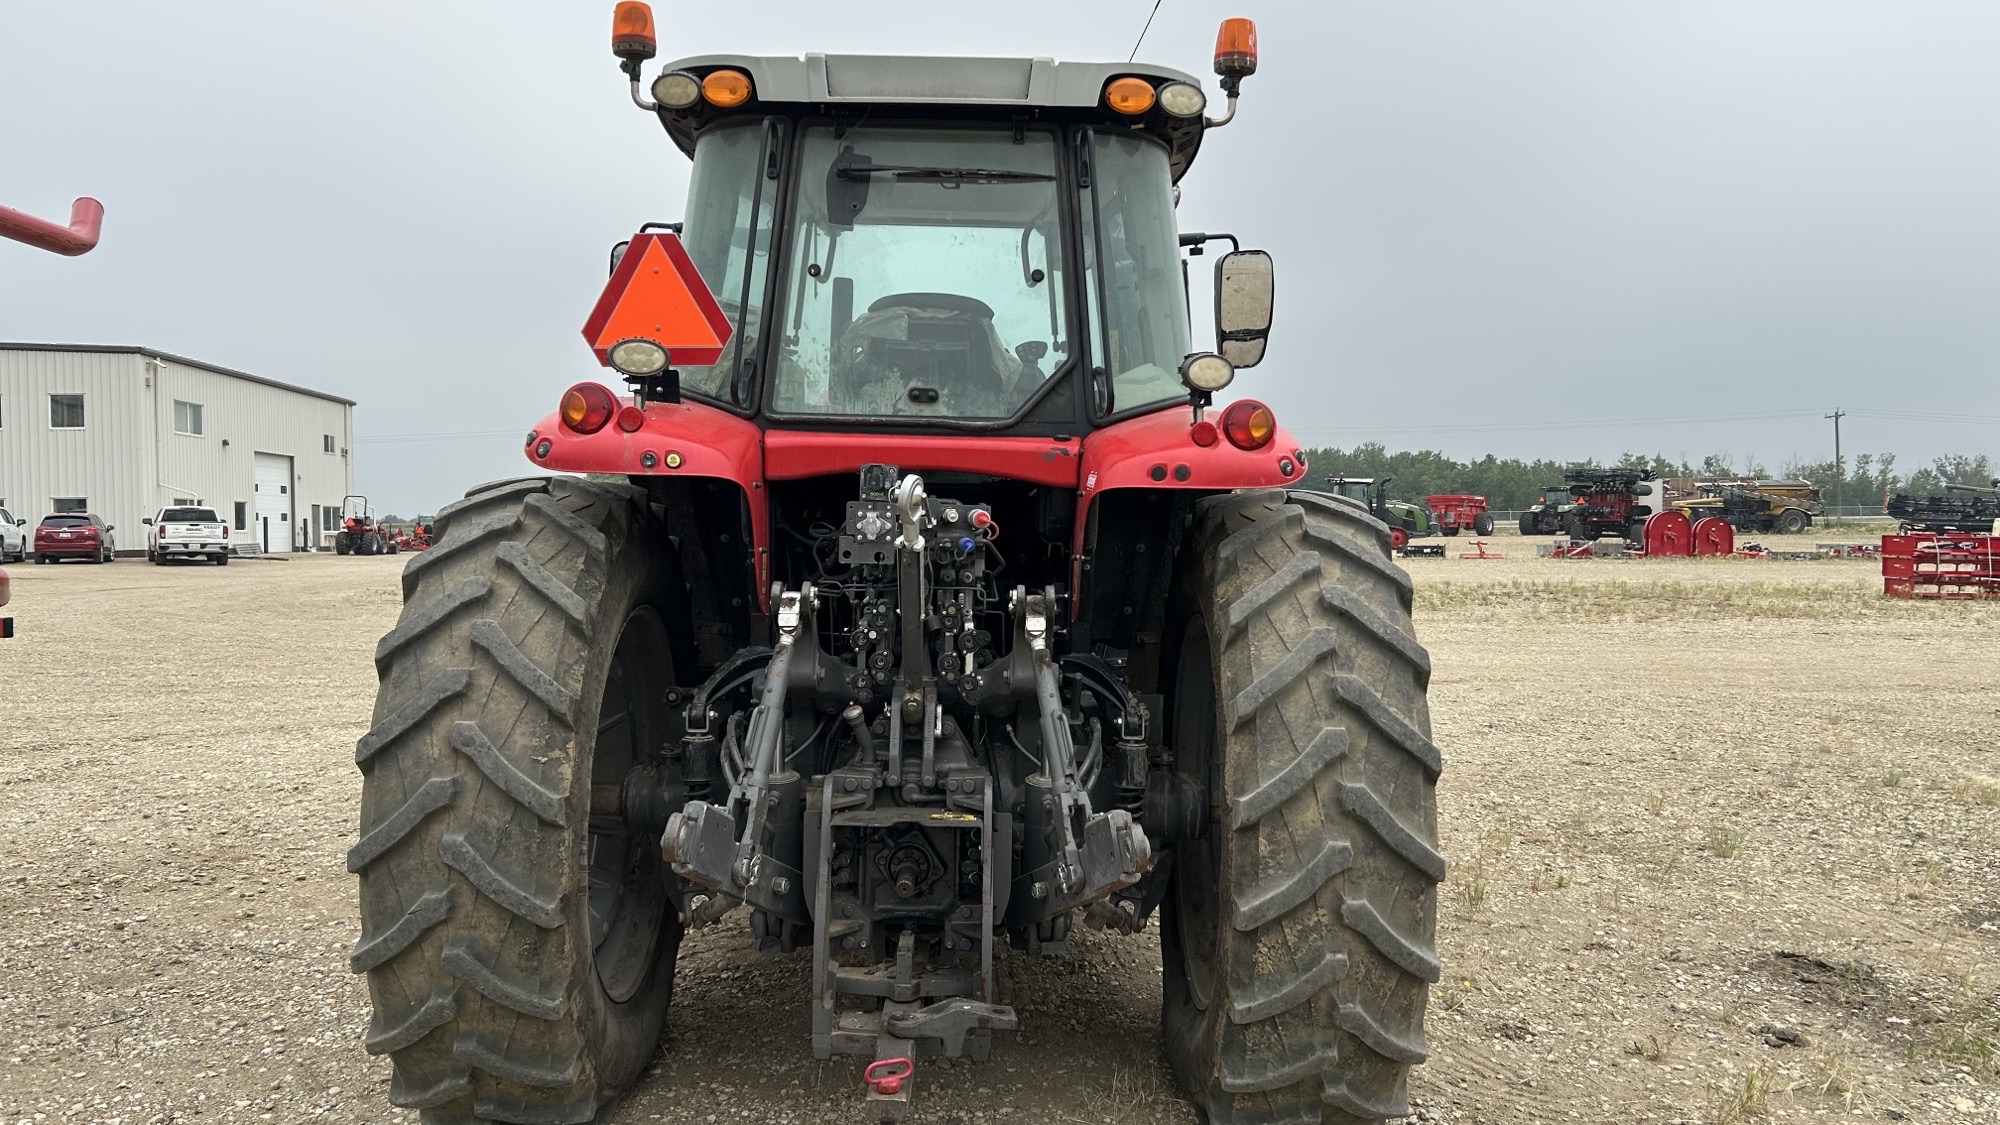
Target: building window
63, 504
242, 516
326, 442
329, 519
65, 412
187, 418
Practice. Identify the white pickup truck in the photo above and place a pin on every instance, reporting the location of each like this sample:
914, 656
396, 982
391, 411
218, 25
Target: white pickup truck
187, 533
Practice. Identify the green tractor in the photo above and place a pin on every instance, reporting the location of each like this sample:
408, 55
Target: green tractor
1406, 521
1546, 516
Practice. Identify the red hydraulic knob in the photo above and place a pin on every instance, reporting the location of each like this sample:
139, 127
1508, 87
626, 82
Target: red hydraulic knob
885, 1076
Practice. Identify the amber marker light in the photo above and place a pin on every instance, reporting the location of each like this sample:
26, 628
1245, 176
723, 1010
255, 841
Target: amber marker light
632, 36
726, 89
588, 407
1129, 96
1249, 424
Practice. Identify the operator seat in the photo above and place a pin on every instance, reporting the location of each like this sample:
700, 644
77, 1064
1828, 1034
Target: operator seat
952, 350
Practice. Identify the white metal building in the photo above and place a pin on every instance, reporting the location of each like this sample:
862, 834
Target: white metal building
123, 431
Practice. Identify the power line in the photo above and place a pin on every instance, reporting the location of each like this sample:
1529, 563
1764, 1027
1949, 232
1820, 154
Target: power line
456, 435
1143, 31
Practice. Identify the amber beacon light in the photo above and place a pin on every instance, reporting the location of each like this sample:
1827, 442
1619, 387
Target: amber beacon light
1236, 49
632, 37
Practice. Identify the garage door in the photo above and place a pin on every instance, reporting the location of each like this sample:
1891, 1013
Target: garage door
274, 503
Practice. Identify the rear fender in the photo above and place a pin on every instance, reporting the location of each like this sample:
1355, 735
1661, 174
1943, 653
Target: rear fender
1158, 451
685, 440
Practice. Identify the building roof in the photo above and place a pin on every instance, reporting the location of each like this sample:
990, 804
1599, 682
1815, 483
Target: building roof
127, 349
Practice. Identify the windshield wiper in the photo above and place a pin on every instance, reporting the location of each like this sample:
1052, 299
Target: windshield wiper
850, 171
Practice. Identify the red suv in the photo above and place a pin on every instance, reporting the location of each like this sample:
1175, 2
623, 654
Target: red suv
74, 535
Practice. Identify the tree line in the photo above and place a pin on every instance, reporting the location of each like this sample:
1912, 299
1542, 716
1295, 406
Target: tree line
1510, 484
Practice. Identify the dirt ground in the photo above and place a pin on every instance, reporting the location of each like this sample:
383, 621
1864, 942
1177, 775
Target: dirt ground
1724, 836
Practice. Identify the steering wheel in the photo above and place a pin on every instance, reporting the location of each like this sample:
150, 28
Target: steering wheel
948, 302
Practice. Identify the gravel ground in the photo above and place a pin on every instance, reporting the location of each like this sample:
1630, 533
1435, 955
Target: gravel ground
1725, 846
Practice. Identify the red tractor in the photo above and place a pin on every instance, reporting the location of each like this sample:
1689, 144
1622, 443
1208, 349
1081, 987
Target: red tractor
1453, 512
918, 606
359, 533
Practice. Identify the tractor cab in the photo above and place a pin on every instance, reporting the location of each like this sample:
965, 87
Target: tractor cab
946, 243
1365, 489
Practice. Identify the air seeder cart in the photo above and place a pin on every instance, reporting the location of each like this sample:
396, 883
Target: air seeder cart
1453, 512
935, 610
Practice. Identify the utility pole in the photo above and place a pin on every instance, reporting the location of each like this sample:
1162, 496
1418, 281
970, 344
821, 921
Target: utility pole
1839, 466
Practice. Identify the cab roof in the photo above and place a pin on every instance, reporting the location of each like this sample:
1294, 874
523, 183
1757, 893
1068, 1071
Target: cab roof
979, 86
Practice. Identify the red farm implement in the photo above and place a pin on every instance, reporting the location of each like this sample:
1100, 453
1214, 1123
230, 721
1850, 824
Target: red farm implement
1454, 511
1933, 564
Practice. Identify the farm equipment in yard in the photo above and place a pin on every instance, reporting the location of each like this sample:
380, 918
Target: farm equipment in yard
1965, 507
1783, 506
418, 537
1406, 521
1606, 502
1545, 516
359, 534
1452, 512
927, 613
1947, 565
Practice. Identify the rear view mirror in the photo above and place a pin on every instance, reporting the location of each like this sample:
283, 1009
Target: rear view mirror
1244, 286
148, 521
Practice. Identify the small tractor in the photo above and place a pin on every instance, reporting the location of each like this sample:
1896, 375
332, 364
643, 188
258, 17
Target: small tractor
1545, 516
911, 603
359, 534
1406, 521
1966, 507
1454, 512
1606, 502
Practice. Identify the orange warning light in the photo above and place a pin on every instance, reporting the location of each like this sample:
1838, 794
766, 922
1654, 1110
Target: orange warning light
726, 89
632, 36
1236, 48
1129, 96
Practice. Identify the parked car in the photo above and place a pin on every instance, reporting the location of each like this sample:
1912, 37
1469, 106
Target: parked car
75, 535
13, 538
187, 533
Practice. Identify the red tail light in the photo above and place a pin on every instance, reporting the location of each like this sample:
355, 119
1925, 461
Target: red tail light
587, 408
1249, 424
630, 418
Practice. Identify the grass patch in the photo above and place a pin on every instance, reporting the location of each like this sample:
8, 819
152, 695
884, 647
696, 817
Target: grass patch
1746, 1099
1978, 790
1724, 840
1668, 599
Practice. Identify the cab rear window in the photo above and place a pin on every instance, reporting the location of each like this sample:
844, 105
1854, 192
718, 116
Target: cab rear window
189, 515
66, 521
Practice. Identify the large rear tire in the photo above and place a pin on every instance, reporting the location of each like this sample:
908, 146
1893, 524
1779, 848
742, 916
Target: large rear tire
1791, 521
519, 948
1482, 524
1299, 935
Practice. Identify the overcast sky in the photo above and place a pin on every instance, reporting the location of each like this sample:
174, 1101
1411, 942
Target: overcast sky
1706, 224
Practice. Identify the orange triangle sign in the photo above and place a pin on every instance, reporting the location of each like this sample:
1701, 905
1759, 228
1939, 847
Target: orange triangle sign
656, 293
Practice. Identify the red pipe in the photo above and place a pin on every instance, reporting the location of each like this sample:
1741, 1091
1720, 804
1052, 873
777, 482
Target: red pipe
86, 216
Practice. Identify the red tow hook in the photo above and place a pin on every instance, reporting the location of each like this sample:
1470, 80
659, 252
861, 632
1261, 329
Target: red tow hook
885, 1076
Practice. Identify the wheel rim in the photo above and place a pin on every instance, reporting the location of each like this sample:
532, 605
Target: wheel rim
1197, 863
626, 898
